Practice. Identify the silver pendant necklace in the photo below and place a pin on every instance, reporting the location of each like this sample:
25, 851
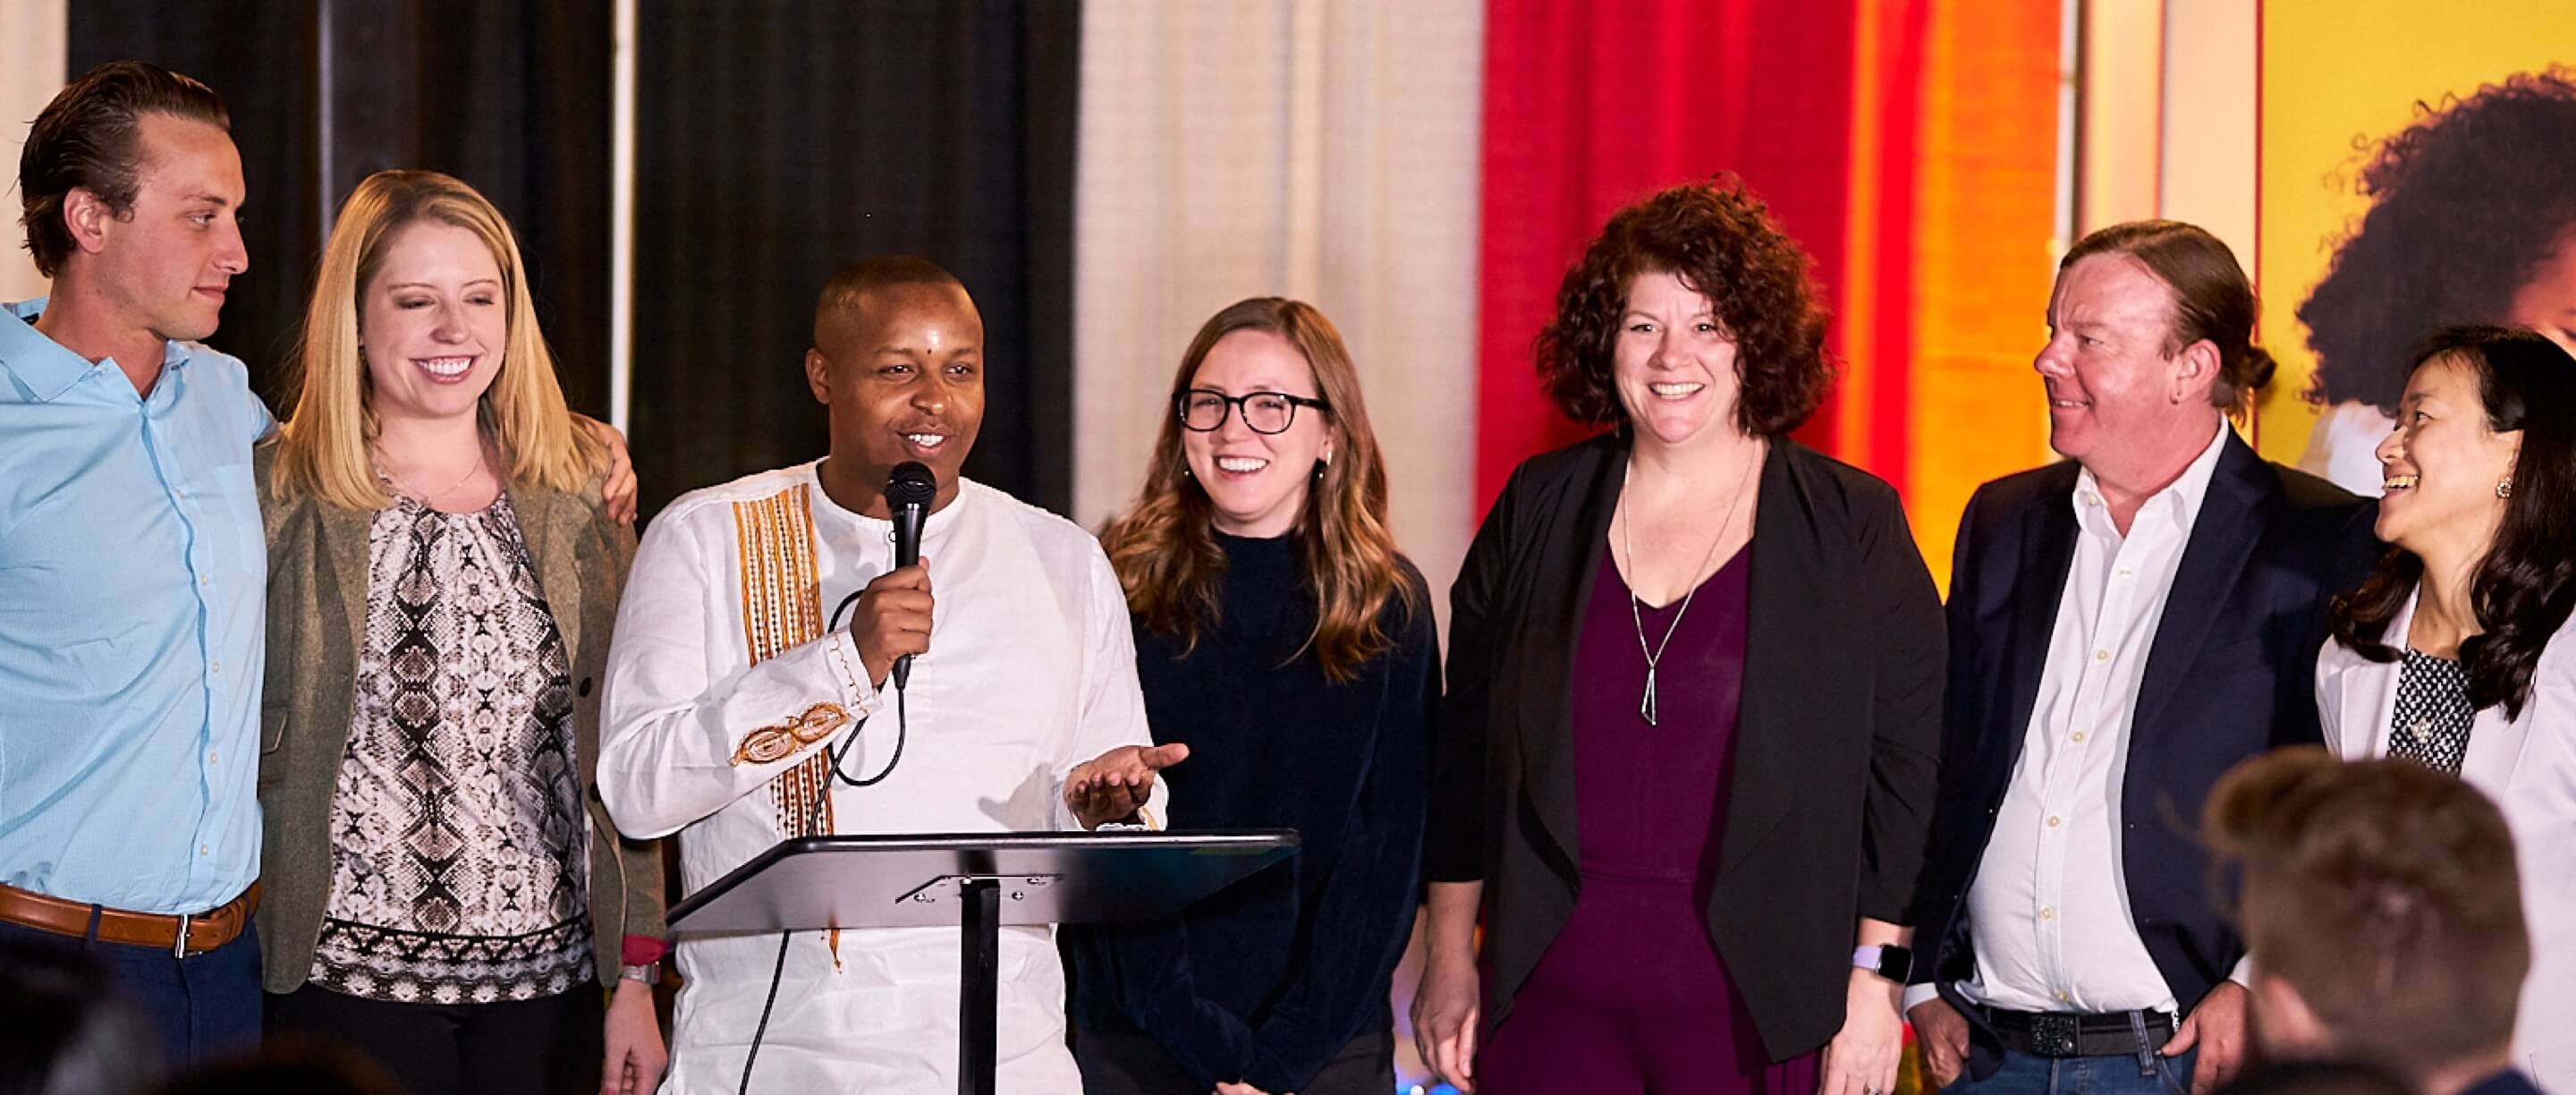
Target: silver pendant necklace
1636, 614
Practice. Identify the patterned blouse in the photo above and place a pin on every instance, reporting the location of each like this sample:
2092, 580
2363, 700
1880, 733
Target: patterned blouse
2431, 722
458, 843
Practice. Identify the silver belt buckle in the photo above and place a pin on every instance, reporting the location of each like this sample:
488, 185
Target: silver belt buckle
179, 949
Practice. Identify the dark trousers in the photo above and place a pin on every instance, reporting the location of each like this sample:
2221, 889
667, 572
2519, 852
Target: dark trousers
203, 1006
1128, 1063
551, 1045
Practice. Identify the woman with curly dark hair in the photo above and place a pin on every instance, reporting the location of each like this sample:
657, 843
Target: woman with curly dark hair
2473, 220
1678, 816
2457, 651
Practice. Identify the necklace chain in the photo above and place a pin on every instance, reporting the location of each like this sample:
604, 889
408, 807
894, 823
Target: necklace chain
1646, 704
451, 487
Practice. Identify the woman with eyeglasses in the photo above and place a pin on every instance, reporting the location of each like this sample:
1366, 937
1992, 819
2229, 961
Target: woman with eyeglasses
1281, 635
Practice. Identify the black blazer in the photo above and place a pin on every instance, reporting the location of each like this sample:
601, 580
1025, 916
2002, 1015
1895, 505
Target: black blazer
2231, 674
1837, 733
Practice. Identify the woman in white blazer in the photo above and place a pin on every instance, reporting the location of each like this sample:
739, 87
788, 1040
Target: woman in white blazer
2457, 651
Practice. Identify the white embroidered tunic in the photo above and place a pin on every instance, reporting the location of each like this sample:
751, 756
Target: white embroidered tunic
714, 691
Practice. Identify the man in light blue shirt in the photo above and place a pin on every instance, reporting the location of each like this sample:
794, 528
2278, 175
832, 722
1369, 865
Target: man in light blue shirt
132, 564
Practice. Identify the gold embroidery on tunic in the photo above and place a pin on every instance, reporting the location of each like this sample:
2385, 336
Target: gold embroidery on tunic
771, 743
782, 608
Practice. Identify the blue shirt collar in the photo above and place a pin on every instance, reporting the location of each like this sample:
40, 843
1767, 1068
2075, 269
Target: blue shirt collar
48, 368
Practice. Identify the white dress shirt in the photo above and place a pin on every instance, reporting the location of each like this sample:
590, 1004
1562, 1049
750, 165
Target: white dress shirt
1031, 671
2049, 911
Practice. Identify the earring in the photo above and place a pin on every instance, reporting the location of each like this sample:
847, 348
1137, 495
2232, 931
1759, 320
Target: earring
2504, 488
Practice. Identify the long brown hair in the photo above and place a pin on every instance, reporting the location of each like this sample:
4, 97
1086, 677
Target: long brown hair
1164, 547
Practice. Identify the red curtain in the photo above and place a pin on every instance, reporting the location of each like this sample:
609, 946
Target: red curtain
1592, 104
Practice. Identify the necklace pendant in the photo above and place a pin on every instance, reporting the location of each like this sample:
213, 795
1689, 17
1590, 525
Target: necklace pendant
1646, 706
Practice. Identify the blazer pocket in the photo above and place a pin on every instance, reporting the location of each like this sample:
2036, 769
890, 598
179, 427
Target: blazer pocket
274, 715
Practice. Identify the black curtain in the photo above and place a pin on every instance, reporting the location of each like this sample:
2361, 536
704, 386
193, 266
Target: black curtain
509, 95
257, 54
778, 140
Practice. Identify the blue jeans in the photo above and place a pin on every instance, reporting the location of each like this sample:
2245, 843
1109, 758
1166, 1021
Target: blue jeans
2023, 1074
204, 1006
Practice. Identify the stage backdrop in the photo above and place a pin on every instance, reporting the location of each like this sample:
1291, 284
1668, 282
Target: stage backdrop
2456, 221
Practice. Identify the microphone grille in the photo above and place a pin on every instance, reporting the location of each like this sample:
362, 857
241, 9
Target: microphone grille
911, 484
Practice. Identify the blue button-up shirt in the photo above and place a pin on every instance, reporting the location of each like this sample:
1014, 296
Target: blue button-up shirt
133, 579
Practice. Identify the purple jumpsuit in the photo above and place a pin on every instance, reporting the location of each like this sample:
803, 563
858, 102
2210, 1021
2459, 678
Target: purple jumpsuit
1632, 995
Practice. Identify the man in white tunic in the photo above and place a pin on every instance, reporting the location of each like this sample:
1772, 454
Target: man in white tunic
732, 674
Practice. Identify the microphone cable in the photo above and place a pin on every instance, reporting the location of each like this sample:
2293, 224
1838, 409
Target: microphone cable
838, 753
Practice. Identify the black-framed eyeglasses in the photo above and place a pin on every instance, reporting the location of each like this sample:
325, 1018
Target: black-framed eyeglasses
1203, 410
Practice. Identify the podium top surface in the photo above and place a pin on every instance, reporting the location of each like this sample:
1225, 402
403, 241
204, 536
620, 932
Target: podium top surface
914, 880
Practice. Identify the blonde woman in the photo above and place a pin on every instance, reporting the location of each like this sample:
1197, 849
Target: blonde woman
444, 893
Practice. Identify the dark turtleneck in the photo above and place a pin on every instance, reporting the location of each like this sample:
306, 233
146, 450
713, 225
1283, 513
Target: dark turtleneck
1264, 981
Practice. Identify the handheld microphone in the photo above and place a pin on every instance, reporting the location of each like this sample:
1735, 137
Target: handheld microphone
908, 494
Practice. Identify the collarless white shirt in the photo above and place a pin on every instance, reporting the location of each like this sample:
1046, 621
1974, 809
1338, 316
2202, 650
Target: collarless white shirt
2049, 911
1032, 670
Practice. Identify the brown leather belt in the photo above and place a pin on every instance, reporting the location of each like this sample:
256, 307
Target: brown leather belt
180, 935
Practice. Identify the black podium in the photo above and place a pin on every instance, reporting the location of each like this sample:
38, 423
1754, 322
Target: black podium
980, 882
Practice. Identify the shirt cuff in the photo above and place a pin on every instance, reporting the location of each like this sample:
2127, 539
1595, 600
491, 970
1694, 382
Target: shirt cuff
841, 650
1916, 994
2243, 974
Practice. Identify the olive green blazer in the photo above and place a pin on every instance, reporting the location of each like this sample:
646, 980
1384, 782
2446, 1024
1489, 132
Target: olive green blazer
317, 613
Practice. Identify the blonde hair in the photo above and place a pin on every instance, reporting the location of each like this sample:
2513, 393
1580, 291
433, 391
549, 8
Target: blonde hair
324, 441
1166, 553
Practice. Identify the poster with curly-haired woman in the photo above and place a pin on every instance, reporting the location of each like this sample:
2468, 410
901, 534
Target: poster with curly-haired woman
2420, 172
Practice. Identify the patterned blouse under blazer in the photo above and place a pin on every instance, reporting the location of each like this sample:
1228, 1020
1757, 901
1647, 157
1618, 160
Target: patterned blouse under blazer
317, 610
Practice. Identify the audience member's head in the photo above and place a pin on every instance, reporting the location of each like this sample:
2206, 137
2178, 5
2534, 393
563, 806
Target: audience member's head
2382, 910
63, 1029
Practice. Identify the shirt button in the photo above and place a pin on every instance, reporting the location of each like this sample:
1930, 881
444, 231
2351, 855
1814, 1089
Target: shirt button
2052, 821
214, 757
2126, 572
2101, 655
2046, 913
204, 850
215, 667
2079, 736
2061, 996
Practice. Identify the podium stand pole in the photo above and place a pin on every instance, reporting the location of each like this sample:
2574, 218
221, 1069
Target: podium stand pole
978, 984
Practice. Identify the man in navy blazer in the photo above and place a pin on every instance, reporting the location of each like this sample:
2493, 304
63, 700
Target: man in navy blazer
2125, 626
2385, 915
